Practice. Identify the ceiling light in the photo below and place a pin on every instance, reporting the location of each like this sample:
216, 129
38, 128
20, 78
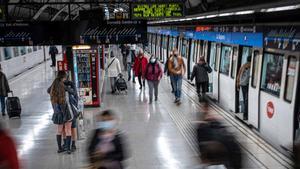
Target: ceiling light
211, 16
226, 14
244, 12
81, 47
200, 17
282, 8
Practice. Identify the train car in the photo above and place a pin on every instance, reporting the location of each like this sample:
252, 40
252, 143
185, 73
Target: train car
273, 94
25, 57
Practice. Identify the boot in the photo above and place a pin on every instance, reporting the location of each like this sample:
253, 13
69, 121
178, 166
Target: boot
58, 139
73, 146
68, 141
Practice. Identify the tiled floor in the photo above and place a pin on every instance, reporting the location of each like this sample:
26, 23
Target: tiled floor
158, 134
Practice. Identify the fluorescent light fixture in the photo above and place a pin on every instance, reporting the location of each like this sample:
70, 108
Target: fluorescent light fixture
200, 17
226, 14
211, 16
81, 47
282, 8
244, 12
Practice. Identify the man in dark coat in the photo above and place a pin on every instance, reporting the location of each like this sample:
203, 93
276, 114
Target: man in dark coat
200, 71
53, 52
4, 90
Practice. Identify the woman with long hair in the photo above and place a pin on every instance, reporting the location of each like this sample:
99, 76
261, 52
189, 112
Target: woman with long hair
62, 115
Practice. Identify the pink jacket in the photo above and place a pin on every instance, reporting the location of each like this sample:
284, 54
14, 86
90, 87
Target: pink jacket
153, 75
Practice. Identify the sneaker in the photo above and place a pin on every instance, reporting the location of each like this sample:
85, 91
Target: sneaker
60, 150
69, 151
176, 100
73, 148
3, 114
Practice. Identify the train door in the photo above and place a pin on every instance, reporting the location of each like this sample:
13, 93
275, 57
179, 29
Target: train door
280, 73
244, 53
164, 48
215, 54
297, 114
254, 89
158, 47
227, 92
191, 62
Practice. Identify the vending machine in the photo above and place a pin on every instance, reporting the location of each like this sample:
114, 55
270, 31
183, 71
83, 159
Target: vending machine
86, 68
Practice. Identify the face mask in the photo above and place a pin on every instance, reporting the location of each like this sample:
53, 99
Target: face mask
106, 125
152, 60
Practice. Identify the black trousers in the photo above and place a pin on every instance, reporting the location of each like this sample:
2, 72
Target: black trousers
140, 80
201, 87
245, 90
53, 58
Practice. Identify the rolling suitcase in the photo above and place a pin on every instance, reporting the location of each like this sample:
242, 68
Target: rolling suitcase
13, 106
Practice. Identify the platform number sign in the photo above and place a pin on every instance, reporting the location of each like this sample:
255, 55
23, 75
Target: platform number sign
157, 10
270, 109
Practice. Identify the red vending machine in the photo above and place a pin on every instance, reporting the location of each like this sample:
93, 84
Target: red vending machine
86, 72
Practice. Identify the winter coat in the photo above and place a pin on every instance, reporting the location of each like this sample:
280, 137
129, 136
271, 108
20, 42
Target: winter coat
8, 153
243, 76
140, 65
118, 154
176, 69
153, 71
113, 67
200, 72
53, 50
4, 87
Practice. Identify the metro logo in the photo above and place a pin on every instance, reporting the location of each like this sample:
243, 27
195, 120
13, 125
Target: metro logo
270, 109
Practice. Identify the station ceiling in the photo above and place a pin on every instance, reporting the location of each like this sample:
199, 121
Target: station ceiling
60, 10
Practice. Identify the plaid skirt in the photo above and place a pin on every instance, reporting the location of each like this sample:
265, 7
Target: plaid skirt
61, 114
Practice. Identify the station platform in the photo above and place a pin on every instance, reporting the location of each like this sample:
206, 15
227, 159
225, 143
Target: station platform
160, 135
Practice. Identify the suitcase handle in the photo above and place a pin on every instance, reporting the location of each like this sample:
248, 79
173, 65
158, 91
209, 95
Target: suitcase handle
12, 93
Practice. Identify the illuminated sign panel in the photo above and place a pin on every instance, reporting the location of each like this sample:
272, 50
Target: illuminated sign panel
161, 10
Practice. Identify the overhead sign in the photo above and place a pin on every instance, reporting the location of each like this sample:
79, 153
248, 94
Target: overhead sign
157, 10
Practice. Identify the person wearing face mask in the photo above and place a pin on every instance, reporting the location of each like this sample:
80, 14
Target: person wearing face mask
4, 90
62, 115
153, 75
139, 67
176, 68
106, 148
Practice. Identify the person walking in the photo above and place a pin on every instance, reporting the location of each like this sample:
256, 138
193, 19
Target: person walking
113, 70
107, 148
200, 71
166, 70
4, 90
153, 75
8, 154
139, 67
53, 52
62, 115
177, 68
130, 60
243, 82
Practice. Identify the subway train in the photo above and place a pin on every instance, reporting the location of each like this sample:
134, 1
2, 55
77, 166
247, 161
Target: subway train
17, 59
274, 88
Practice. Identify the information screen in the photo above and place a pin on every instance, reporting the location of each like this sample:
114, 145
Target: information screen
161, 10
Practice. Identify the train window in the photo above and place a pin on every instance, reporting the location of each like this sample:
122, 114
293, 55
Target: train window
16, 51
255, 69
290, 78
234, 62
7, 53
225, 59
213, 51
34, 48
23, 50
272, 73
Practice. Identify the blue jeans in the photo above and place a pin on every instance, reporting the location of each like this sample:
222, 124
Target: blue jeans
177, 83
2, 100
129, 71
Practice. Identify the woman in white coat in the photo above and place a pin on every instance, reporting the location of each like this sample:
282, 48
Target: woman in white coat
113, 70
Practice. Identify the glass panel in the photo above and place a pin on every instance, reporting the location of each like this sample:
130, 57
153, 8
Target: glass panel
225, 59
7, 53
247, 51
290, 78
35, 48
29, 49
255, 69
272, 73
23, 50
212, 60
16, 51
234, 62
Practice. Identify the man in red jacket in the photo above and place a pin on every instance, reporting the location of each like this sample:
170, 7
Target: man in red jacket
8, 153
139, 67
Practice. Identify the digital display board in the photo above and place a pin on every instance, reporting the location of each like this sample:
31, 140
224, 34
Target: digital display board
158, 10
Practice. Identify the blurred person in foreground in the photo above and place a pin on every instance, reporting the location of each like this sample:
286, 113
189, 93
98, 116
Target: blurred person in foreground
219, 148
8, 152
106, 149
